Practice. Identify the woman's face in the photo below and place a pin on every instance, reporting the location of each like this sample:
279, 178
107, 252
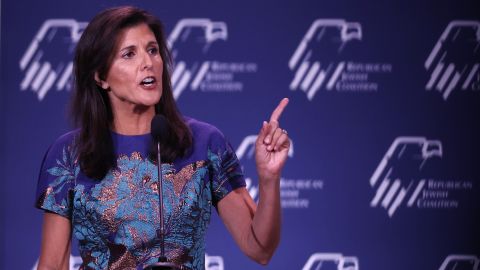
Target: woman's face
135, 75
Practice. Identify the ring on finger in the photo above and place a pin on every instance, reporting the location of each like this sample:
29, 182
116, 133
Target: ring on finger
284, 132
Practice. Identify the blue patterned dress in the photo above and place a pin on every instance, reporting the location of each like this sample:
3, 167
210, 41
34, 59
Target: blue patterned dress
115, 219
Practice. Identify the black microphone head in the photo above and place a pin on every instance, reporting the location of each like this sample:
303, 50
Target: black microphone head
159, 128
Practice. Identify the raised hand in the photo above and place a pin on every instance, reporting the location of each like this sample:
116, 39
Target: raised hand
272, 145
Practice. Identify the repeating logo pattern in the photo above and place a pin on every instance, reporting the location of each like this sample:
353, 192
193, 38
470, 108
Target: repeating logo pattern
391, 189
309, 77
47, 62
190, 41
322, 261
401, 177
320, 61
188, 34
454, 61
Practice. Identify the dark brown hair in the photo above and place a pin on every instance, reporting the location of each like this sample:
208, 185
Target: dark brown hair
91, 110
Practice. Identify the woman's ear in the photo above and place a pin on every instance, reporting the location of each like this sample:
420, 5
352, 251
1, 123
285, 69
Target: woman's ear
103, 84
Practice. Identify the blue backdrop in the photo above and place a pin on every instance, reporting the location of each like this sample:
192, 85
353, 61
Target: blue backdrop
384, 119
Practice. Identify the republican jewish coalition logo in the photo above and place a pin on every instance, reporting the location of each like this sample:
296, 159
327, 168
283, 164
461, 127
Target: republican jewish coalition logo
191, 42
323, 261
406, 154
454, 62
47, 62
188, 34
401, 178
321, 60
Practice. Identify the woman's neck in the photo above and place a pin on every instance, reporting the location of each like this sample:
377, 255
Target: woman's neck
133, 122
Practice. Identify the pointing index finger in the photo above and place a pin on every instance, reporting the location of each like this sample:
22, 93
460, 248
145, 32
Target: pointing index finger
278, 111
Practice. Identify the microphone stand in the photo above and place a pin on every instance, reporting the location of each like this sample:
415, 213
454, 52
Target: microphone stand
162, 263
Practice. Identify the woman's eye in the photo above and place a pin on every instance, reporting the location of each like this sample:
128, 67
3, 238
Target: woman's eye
153, 50
128, 55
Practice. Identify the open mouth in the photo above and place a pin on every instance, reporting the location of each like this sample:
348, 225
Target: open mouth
148, 81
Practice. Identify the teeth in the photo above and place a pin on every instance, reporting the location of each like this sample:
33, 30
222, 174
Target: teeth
148, 80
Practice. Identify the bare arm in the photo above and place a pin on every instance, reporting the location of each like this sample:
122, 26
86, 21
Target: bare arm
256, 230
55, 250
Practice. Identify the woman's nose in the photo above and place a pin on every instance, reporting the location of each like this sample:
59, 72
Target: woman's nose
147, 61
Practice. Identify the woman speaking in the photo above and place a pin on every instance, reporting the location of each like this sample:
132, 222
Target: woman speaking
99, 181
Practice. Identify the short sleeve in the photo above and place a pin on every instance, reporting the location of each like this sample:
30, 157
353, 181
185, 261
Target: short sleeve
227, 171
56, 179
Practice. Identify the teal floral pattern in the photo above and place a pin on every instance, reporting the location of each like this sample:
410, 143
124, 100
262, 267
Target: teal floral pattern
116, 219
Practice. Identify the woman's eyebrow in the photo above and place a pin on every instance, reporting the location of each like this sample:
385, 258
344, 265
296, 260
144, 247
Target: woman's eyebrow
128, 47
153, 42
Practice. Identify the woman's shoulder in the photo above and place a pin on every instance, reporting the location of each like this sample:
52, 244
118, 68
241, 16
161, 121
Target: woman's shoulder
67, 138
64, 142
202, 129
204, 133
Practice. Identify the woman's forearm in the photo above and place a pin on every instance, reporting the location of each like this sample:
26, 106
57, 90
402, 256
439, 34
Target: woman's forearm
266, 223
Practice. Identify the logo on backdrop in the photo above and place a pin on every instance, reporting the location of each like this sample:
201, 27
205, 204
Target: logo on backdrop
292, 191
211, 263
320, 261
401, 177
464, 262
191, 42
323, 60
453, 63
47, 62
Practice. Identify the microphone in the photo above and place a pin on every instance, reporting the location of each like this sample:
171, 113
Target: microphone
159, 130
